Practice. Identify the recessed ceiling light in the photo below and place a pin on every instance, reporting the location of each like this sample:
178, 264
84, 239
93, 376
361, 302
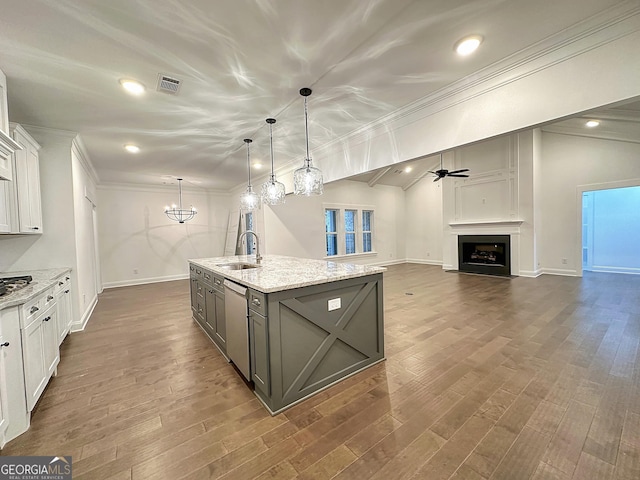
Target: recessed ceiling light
468, 45
132, 86
257, 165
129, 147
408, 169
592, 123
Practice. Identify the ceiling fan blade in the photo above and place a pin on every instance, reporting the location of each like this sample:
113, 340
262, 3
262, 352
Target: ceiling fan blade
459, 171
437, 178
429, 171
456, 175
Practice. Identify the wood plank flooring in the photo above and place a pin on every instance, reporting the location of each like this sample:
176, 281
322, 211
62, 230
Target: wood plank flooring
485, 378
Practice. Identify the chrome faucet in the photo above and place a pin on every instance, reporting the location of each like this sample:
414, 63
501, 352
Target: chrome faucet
244, 234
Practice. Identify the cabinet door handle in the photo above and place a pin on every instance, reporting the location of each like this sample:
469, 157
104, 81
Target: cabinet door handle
256, 302
217, 281
33, 310
5, 344
67, 278
198, 272
66, 291
207, 276
60, 284
46, 319
49, 298
35, 228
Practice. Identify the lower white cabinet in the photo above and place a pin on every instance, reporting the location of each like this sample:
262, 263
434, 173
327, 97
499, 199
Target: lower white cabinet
63, 305
15, 417
4, 417
39, 345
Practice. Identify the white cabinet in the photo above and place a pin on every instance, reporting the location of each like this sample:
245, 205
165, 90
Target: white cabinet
7, 145
40, 351
4, 418
14, 407
63, 305
26, 182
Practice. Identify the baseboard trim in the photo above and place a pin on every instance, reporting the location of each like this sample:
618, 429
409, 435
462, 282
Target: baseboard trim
144, 281
422, 261
389, 262
607, 269
559, 271
530, 273
79, 326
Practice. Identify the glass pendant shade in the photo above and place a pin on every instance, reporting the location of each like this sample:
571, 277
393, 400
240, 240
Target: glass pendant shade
273, 192
249, 200
307, 180
176, 212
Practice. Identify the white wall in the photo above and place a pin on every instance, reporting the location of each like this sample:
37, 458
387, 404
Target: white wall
135, 234
571, 165
86, 286
423, 207
297, 227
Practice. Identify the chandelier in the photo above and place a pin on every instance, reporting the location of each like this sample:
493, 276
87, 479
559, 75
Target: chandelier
273, 192
307, 180
176, 212
249, 200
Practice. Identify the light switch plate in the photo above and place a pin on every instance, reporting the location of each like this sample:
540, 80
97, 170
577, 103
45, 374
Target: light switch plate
334, 304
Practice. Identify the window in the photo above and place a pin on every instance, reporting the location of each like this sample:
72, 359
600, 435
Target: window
348, 230
366, 230
249, 239
331, 229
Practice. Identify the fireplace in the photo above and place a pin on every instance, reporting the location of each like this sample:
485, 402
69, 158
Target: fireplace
486, 254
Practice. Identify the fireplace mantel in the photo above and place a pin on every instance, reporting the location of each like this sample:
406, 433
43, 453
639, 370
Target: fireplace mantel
487, 223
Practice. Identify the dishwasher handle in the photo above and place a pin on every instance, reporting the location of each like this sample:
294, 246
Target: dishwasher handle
235, 287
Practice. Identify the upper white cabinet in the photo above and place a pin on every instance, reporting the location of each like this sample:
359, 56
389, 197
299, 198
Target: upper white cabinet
20, 203
7, 145
27, 181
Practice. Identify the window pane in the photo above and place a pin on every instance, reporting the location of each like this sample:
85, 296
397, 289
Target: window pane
366, 220
350, 243
350, 220
330, 220
249, 239
366, 242
332, 244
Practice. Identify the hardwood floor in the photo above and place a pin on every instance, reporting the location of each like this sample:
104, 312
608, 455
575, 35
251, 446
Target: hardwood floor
485, 378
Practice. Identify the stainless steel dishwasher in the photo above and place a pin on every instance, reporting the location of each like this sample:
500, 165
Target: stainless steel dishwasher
235, 307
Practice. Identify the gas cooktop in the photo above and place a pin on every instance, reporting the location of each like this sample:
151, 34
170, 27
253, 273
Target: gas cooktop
9, 284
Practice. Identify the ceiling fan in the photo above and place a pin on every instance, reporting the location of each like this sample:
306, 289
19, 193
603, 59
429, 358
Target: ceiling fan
446, 173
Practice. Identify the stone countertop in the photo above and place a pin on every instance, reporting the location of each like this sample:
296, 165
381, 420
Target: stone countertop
276, 273
42, 279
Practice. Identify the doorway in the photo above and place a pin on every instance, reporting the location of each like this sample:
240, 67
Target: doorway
611, 230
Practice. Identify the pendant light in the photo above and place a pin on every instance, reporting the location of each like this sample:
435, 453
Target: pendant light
249, 200
176, 212
273, 192
307, 180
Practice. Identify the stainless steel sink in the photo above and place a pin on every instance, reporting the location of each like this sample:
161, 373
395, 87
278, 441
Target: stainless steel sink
237, 266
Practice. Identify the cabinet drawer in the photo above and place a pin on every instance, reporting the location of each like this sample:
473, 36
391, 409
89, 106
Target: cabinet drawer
49, 298
207, 278
257, 302
218, 283
31, 310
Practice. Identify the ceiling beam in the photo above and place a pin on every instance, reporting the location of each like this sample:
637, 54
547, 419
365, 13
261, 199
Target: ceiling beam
378, 176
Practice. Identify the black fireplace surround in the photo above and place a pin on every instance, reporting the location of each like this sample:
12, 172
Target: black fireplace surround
485, 254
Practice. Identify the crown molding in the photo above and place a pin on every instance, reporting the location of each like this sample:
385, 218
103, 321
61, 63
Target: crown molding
590, 34
596, 133
83, 155
141, 187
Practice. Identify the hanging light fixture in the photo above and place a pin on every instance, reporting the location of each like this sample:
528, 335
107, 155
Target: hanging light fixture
249, 200
273, 192
176, 212
307, 180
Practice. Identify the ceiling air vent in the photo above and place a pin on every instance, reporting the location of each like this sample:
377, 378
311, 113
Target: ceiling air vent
168, 84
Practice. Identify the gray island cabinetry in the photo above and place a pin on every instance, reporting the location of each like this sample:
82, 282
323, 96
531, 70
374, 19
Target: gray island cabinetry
311, 323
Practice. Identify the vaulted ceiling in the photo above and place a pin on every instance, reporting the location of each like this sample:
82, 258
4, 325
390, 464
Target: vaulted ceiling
241, 61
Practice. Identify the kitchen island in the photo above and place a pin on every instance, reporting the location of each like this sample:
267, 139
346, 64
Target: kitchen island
309, 323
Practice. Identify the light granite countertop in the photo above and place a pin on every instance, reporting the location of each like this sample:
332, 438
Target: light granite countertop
42, 279
276, 272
